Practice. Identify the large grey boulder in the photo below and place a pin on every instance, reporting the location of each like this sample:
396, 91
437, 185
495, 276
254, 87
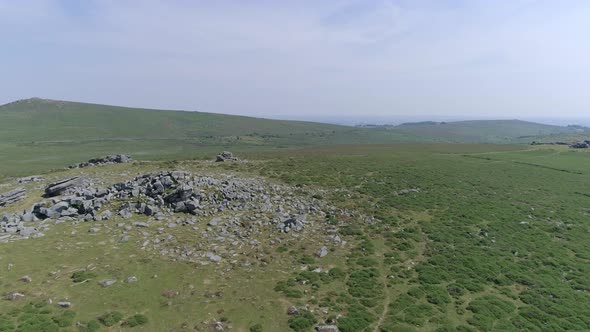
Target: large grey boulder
125, 213
181, 194
28, 217
27, 231
63, 186
55, 211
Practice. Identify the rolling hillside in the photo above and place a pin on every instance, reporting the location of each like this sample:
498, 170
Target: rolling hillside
483, 131
49, 120
37, 134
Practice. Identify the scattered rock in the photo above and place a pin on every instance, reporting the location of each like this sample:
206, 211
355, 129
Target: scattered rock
26, 279
407, 191
213, 257
218, 326
293, 311
322, 252
326, 328
64, 304
125, 213
107, 283
214, 221
13, 296
106, 215
131, 279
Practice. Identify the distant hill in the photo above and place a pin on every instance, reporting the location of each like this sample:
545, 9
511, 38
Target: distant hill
483, 131
43, 120
41, 133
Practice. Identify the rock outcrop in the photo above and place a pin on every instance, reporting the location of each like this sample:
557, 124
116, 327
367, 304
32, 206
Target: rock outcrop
12, 196
106, 160
235, 216
63, 186
226, 156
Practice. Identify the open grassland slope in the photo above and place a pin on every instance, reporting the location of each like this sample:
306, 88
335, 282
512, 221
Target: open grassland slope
465, 238
483, 131
38, 134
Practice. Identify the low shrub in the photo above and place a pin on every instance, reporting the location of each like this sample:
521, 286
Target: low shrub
302, 322
80, 276
136, 320
110, 318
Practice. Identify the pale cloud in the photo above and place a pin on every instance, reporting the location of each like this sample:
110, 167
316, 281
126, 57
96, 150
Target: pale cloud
280, 58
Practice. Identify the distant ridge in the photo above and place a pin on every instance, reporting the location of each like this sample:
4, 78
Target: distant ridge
47, 120
38, 119
39, 133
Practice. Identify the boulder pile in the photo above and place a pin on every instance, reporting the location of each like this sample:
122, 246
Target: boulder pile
226, 156
581, 145
237, 207
106, 160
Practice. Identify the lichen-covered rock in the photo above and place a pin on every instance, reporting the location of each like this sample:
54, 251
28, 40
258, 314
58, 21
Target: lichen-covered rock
12, 196
63, 186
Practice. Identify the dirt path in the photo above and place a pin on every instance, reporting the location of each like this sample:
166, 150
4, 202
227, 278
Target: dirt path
383, 315
387, 292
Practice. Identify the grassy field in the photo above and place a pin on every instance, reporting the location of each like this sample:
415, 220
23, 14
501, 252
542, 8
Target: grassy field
494, 240
40, 134
491, 131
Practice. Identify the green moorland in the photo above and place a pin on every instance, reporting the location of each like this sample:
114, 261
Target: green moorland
489, 131
494, 240
38, 134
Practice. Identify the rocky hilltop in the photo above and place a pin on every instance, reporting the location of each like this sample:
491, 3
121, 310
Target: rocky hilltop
229, 211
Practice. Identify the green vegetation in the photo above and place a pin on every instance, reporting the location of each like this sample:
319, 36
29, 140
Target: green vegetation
81, 276
492, 242
494, 239
39, 134
256, 328
136, 320
303, 322
110, 318
490, 131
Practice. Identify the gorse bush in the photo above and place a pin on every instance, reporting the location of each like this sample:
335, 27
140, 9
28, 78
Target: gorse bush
136, 320
65, 318
80, 276
110, 318
302, 322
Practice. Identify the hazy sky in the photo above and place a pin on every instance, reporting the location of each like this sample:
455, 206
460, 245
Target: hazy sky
494, 58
